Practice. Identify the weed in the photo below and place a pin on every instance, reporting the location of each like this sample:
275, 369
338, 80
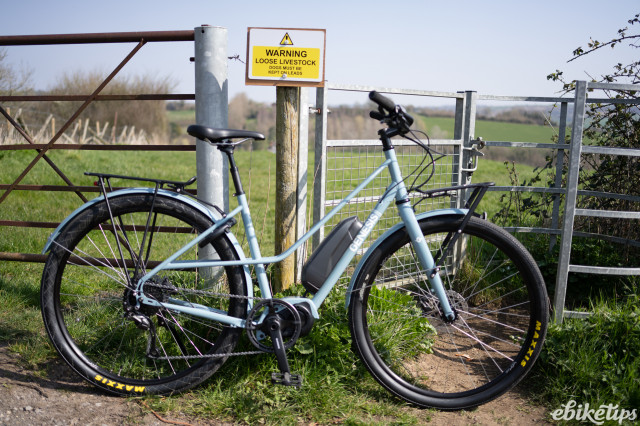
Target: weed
594, 360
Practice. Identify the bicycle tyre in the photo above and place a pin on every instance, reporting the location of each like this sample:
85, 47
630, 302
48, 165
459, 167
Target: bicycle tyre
87, 306
502, 308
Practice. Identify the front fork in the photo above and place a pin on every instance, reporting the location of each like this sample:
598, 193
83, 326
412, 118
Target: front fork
406, 212
425, 258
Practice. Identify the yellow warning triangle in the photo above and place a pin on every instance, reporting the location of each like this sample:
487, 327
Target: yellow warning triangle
286, 40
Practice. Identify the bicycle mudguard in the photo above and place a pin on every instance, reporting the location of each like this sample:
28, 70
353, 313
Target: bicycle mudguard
161, 192
396, 227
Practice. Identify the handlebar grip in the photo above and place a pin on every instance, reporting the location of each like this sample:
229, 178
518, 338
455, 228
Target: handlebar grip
383, 101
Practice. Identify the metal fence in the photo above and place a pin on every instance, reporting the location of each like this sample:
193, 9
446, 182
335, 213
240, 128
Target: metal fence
339, 162
565, 266
340, 165
139, 39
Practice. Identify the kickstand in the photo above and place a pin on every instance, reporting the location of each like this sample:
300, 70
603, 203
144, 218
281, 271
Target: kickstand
284, 377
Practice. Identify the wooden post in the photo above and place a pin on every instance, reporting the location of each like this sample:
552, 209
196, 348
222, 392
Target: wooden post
287, 103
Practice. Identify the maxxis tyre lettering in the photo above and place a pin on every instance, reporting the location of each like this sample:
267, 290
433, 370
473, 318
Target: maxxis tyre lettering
420, 391
55, 326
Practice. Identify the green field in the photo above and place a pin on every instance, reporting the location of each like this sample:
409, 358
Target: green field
337, 389
187, 116
257, 169
495, 131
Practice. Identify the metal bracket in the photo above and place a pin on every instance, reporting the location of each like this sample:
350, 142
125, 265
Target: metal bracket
316, 110
474, 153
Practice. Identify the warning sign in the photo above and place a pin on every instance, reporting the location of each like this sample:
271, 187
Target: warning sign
286, 40
286, 57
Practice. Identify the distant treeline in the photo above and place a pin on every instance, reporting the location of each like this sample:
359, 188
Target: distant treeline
353, 122
148, 118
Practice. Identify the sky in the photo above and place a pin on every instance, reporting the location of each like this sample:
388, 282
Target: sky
492, 47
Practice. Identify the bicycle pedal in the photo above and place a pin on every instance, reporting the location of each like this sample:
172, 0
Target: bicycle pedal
287, 379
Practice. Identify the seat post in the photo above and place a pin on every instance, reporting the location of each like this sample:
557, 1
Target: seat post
233, 168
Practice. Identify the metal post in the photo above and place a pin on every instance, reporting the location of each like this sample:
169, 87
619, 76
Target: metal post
320, 162
570, 201
212, 100
456, 173
562, 131
468, 132
303, 161
464, 129
465, 125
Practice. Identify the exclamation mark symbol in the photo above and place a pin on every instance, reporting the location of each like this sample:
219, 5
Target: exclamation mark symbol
286, 40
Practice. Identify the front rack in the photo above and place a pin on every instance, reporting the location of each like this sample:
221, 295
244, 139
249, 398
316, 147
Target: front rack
479, 189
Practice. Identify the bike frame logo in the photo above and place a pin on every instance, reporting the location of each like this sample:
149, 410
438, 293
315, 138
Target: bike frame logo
366, 228
574, 411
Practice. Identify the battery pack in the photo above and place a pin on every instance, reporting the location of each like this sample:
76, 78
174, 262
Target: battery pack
318, 267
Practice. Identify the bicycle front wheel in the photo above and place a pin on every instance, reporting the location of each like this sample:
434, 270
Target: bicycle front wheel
90, 308
501, 305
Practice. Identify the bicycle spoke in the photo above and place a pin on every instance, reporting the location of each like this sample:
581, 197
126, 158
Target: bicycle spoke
92, 306
399, 329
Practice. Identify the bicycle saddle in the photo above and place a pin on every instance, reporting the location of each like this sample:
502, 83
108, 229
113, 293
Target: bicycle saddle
221, 135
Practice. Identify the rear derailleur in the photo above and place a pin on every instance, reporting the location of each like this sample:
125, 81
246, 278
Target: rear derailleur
141, 315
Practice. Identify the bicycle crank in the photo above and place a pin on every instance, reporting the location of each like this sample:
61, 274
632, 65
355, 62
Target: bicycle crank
272, 319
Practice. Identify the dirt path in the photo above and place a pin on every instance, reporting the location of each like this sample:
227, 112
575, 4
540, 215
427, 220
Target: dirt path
63, 399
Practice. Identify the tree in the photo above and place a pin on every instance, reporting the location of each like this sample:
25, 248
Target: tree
149, 116
12, 81
612, 124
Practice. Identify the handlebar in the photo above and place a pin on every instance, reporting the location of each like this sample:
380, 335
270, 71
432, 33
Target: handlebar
389, 113
382, 101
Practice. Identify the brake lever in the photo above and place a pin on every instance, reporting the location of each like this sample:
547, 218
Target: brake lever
377, 115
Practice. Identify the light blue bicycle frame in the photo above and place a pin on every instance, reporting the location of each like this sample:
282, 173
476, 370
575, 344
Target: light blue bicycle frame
395, 191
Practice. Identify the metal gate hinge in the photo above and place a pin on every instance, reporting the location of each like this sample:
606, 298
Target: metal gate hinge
315, 110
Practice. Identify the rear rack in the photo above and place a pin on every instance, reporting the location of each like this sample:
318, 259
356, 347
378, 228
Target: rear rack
176, 186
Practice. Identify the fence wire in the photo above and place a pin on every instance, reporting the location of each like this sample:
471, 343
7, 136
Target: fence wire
350, 163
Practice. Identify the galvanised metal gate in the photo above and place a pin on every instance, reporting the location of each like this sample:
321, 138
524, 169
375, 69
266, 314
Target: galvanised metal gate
576, 149
338, 163
341, 164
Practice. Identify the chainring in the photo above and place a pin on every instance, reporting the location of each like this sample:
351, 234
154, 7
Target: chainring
258, 323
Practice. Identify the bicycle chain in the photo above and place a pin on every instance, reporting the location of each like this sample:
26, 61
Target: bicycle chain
172, 358
202, 292
211, 294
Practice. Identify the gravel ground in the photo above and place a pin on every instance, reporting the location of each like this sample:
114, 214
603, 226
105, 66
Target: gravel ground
61, 398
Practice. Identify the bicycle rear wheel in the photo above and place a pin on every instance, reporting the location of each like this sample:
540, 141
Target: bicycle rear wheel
502, 311
89, 307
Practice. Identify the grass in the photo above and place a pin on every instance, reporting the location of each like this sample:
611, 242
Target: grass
336, 387
186, 116
443, 127
55, 206
501, 174
594, 360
